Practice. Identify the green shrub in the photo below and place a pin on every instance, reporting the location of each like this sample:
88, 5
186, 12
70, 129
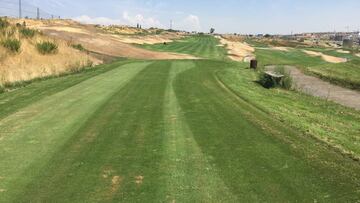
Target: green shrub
78, 47
47, 47
12, 45
27, 32
286, 81
268, 82
4, 23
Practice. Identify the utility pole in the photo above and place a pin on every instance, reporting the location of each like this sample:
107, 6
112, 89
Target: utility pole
38, 13
20, 14
171, 24
347, 28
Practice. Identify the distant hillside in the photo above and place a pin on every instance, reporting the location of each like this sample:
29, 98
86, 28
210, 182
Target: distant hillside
128, 30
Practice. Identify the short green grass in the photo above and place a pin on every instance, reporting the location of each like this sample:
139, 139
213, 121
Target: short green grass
180, 130
336, 125
197, 45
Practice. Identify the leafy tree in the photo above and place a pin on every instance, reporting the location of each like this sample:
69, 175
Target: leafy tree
212, 30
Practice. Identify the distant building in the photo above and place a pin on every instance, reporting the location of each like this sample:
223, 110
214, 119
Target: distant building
339, 37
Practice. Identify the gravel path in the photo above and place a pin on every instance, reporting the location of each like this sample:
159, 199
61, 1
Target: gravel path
319, 88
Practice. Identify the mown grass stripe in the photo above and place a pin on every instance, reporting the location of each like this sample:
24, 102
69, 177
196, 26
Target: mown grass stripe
254, 154
34, 133
115, 155
189, 175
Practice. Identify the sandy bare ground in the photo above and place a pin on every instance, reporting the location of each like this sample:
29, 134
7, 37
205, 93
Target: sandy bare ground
330, 59
343, 51
280, 48
98, 41
286, 49
238, 51
319, 88
147, 39
358, 55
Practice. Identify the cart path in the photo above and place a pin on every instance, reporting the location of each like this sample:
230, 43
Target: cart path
316, 87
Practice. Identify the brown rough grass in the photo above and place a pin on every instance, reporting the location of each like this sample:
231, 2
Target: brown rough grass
106, 42
28, 64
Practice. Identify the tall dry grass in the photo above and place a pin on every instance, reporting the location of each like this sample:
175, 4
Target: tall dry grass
29, 64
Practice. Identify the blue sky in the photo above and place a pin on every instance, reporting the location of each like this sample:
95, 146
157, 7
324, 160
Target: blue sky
226, 16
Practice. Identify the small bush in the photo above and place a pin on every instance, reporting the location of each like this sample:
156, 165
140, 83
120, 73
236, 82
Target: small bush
27, 32
12, 45
286, 81
268, 82
47, 47
4, 23
78, 47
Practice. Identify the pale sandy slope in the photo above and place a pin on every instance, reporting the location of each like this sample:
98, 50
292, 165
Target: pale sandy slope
98, 41
238, 51
28, 63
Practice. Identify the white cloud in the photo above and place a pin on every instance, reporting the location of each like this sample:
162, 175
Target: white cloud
145, 22
125, 20
190, 23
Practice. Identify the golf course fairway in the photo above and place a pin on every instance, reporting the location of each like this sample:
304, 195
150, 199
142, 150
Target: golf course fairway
158, 131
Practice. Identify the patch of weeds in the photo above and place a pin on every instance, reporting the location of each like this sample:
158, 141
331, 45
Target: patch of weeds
12, 45
286, 82
47, 47
4, 23
27, 32
268, 81
8, 32
2, 89
265, 80
78, 47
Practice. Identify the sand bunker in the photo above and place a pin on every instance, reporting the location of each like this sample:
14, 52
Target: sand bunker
358, 55
343, 51
238, 51
280, 48
149, 39
327, 58
275, 48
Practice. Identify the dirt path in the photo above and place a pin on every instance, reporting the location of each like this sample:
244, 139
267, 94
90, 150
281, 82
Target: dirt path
319, 88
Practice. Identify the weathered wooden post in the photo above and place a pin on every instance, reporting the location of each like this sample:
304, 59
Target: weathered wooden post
253, 64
